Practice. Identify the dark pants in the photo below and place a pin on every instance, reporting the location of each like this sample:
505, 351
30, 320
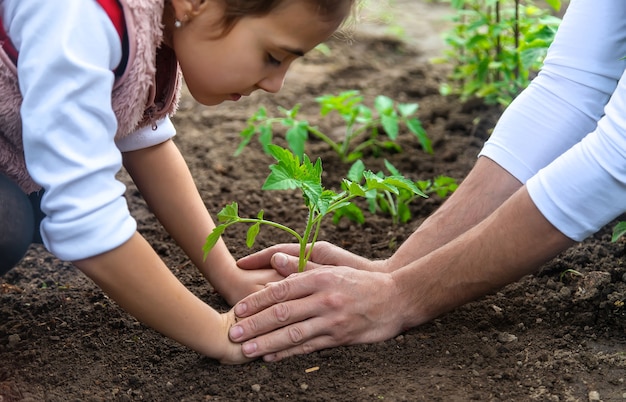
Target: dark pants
20, 216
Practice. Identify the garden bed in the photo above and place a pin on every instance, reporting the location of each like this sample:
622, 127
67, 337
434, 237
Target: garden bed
553, 336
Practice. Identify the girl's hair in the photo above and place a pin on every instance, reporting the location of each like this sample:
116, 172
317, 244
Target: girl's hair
234, 10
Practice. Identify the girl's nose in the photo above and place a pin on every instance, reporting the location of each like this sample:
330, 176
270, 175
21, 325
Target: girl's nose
273, 82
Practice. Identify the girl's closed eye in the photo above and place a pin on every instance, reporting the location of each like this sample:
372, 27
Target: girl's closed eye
272, 60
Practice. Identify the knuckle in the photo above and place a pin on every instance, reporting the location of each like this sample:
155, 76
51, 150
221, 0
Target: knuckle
281, 312
252, 323
324, 277
333, 301
308, 347
323, 249
279, 290
295, 335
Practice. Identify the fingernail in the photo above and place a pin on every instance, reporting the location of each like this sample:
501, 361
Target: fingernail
240, 309
269, 358
280, 260
249, 348
235, 332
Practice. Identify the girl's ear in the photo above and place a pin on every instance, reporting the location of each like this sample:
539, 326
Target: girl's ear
185, 10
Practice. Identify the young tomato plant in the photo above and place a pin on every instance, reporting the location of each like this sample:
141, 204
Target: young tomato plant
397, 204
290, 173
362, 130
495, 45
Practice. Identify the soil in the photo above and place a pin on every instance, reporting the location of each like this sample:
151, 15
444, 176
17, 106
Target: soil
558, 335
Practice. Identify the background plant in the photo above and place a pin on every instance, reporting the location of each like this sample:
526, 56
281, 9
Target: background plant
396, 204
618, 231
365, 128
496, 46
290, 173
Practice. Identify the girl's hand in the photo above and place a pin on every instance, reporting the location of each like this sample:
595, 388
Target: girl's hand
238, 283
232, 352
281, 257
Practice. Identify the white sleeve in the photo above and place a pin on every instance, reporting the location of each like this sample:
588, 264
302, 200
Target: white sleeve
544, 126
147, 136
66, 58
566, 100
585, 188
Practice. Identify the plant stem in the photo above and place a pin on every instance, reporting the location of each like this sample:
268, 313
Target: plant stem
318, 224
393, 210
302, 256
325, 138
270, 223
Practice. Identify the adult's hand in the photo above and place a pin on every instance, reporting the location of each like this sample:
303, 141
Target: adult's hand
284, 258
317, 309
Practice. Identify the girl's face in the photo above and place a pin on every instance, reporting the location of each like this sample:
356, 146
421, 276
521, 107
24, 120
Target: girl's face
254, 54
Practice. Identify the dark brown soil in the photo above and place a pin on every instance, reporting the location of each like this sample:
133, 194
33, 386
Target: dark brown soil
553, 336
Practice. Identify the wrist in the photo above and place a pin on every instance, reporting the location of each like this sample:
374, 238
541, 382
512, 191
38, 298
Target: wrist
417, 296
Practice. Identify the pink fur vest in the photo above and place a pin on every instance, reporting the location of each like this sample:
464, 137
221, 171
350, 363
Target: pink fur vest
135, 100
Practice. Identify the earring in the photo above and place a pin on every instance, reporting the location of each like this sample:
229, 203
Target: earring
177, 23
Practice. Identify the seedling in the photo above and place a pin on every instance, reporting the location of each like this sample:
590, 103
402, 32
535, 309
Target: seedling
495, 49
397, 204
363, 126
569, 272
290, 173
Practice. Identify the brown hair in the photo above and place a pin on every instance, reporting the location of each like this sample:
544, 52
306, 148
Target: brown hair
235, 10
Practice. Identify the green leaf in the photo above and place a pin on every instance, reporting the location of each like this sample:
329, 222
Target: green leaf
265, 136
404, 213
407, 109
297, 136
391, 168
383, 104
290, 113
290, 174
253, 231
355, 173
229, 213
555, 4
354, 188
351, 212
401, 182
281, 178
212, 239
390, 125
415, 126
618, 231
374, 182
246, 134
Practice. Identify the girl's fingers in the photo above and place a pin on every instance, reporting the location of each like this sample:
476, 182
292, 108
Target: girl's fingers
261, 259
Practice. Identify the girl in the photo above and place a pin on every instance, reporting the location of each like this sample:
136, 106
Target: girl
90, 86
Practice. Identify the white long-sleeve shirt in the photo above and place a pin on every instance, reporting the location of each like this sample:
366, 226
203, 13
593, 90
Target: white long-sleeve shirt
565, 135
66, 57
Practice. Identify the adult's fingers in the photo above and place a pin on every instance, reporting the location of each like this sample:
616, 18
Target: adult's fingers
318, 309
290, 288
294, 311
